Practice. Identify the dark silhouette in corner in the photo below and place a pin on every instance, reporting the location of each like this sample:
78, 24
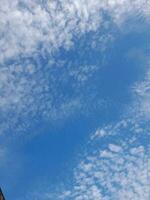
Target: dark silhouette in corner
1, 195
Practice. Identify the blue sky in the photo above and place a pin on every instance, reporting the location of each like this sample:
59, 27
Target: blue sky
75, 99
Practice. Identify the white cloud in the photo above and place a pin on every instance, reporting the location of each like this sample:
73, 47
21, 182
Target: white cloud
31, 29
114, 148
113, 175
32, 91
25, 25
142, 94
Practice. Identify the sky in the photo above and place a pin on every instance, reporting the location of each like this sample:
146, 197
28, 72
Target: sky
75, 99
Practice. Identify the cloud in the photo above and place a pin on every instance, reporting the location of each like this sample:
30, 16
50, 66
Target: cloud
34, 31
142, 93
111, 174
115, 165
29, 92
29, 27
30, 30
